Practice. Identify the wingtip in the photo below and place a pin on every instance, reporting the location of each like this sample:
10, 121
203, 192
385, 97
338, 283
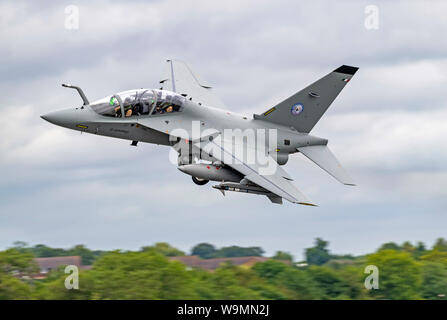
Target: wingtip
308, 204
347, 70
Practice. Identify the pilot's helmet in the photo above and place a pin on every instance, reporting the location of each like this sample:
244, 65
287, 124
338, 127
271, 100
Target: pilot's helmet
127, 101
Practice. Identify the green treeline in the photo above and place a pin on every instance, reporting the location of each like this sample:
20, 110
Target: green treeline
208, 251
406, 271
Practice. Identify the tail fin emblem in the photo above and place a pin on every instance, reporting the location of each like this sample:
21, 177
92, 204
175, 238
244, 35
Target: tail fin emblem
297, 109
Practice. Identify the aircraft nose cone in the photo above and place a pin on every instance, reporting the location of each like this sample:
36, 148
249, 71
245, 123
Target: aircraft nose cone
65, 118
55, 117
70, 118
46, 117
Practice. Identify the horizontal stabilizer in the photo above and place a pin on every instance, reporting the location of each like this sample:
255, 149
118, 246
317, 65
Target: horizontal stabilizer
326, 160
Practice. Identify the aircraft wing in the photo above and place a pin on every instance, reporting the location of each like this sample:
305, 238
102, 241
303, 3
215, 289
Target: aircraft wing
177, 126
269, 175
179, 78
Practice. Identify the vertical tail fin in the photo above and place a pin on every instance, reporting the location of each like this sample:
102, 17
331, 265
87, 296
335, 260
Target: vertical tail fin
303, 110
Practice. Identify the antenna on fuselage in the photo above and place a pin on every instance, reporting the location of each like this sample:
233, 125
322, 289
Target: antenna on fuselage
81, 93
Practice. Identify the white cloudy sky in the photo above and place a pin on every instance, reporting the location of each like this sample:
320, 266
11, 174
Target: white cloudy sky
388, 126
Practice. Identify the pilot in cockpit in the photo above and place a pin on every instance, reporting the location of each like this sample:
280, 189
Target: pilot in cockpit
158, 110
128, 107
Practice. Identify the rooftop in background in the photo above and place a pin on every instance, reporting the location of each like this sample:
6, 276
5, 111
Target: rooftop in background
52, 263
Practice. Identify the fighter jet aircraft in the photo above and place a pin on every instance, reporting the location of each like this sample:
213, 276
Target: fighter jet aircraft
184, 113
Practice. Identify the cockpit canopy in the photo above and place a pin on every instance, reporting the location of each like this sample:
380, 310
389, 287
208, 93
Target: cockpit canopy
139, 102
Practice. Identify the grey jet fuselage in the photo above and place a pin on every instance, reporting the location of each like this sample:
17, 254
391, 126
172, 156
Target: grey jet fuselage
84, 119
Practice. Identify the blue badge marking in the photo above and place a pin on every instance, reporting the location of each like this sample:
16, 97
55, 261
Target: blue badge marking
297, 109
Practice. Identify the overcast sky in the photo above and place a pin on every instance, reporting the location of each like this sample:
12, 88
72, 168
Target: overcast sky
387, 127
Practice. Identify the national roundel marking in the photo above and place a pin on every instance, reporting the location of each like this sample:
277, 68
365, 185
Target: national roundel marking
297, 109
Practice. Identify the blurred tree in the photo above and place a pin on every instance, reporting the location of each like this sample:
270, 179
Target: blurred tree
269, 269
236, 251
419, 250
435, 256
281, 255
408, 247
298, 283
12, 288
342, 256
164, 249
399, 275
440, 245
434, 280
177, 282
20, 246
390, 246
41, 250
319, 254
354, 278
249, 279
203, 250
269, 292
13, 264
207, 251
148, 274
86, 254
330, 284
53, 287
227, 286
140, 275
13, 261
